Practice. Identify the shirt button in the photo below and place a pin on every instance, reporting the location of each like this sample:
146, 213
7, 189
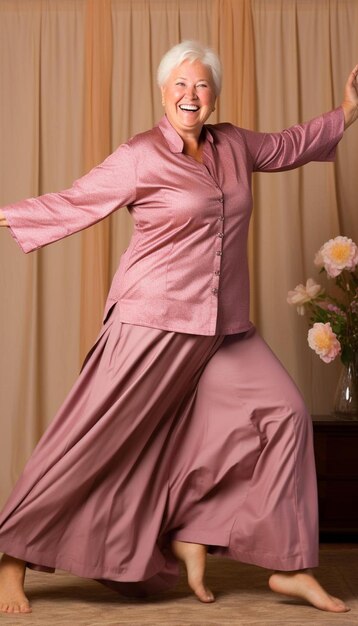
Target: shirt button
215, 291
219, 253
220, 235
217, 272
221, 200
221, 218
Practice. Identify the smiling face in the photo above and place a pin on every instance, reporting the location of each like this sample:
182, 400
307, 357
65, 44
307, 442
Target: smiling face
189, 97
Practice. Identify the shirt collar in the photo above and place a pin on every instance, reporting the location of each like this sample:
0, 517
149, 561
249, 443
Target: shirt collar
173, 139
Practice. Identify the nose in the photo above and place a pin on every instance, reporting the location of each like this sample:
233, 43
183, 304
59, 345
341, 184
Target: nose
191, 92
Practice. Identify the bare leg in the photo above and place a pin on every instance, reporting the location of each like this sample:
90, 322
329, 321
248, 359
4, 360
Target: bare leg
302, 584
194, 557
12, 578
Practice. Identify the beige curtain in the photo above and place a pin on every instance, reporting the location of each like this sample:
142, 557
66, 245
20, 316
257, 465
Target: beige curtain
78, 78
304, 52
42, 68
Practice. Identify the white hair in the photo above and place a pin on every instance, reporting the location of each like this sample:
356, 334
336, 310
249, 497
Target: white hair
190, 51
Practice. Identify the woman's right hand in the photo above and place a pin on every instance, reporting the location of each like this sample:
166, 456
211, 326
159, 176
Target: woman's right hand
3, 221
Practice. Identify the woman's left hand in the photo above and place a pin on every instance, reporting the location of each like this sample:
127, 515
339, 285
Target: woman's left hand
350, 98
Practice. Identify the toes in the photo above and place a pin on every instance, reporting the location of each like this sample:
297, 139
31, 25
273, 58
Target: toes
325, 602
209, 596
338, 605
15, 608
196, 582
204, 594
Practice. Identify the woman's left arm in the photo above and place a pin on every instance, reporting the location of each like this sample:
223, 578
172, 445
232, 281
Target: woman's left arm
350, 98
315, 140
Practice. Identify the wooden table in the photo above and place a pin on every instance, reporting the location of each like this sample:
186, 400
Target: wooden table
336, 452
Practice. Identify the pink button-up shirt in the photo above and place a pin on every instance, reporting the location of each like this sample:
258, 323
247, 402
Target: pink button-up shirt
185, 268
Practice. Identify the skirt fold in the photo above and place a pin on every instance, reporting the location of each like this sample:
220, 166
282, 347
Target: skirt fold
168, 435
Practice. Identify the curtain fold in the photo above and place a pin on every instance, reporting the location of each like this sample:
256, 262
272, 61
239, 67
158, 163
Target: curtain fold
78, 79
233, 38
95, 278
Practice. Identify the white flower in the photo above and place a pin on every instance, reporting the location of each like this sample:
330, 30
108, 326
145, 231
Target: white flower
303, 294
323, 341
336, 255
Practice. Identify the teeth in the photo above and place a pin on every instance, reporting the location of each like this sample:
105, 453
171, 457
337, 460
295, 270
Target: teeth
189, 107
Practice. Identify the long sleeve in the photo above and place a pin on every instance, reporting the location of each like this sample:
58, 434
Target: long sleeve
185, 268
36, 222
315, 140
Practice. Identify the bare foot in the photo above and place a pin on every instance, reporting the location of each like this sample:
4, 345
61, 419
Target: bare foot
12, 577
194, 557
302, 584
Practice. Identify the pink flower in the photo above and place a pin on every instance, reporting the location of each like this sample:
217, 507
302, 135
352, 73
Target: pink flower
337, 255
335, 309
328, 306
304, 293
323, 341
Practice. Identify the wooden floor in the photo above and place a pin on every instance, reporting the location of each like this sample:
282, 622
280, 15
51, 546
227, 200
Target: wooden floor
243, 599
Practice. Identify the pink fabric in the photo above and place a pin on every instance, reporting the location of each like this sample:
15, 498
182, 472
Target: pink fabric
168, 435
247, 454
92, 497
186, 267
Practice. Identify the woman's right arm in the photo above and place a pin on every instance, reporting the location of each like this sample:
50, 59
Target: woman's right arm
37, 222
3, 221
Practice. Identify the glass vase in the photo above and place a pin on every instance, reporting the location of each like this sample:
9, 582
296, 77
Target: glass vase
346, 398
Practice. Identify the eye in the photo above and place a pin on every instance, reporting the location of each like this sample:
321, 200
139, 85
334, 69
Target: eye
180, 83
202, 85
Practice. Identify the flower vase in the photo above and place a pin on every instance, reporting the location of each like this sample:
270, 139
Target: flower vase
346, 398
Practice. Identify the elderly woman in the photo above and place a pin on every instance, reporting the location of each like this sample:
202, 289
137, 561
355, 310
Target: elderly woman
183, 432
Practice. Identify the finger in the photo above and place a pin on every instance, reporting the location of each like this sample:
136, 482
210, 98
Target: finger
353, 78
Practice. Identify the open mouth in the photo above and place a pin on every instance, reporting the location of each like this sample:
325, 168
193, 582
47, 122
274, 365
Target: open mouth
189, 107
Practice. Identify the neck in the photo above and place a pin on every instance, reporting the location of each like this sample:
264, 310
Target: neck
192, 144
195, 151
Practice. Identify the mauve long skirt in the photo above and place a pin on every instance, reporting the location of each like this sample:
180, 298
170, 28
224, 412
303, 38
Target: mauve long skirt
168, 435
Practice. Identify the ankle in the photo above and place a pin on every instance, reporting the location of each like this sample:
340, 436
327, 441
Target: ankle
11, 563
293, 572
